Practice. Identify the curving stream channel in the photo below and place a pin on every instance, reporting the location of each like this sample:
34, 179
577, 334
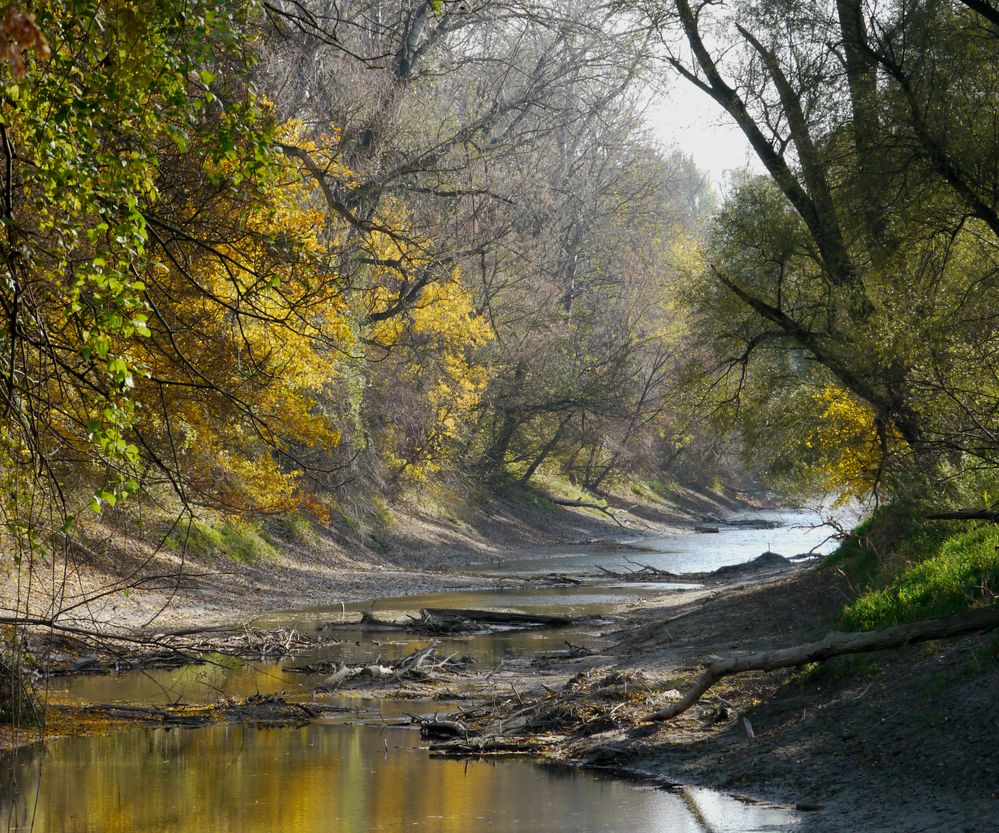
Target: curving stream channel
357, 772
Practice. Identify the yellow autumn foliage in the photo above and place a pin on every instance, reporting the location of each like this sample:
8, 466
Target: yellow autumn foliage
435, 376
845, 446
249, 334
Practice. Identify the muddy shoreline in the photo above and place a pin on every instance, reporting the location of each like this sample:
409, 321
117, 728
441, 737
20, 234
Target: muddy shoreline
903, 742
887, 749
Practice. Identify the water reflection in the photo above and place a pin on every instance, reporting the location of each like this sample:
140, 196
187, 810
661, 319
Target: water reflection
232, 678
205, 683
679, 552
589, 600
329, 779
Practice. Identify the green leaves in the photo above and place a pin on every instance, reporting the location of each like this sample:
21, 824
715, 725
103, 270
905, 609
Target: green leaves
125, 91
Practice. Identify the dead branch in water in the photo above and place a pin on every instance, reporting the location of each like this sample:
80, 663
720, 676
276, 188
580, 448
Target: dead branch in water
424, 665
496, 617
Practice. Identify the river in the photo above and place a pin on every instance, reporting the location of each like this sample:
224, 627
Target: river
356, 773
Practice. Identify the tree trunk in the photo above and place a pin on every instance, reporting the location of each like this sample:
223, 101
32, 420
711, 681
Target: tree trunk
495, 456
549, 447
18, 706
966, 515
833, 645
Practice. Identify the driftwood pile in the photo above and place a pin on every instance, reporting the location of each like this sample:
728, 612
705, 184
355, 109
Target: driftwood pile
763, 565
263, 710
422, 666
445, 620
740, 523
247, 642
592, 702
106, 654
643, 572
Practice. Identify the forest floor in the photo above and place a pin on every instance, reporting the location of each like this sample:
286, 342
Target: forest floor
899, 742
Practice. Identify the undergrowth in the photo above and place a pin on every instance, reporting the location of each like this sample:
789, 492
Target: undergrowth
907, 568
236, 540
960, 572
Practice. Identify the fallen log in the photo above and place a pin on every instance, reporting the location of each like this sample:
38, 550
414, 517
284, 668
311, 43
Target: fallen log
338, 677
369, 620
753, 523
833, 645
645, 573
416, 659
496, 617
585, 504
419, 666
965, 515
486, 746
556, 578
441, 729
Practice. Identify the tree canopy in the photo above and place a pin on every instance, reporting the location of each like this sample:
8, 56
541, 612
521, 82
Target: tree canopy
261, 256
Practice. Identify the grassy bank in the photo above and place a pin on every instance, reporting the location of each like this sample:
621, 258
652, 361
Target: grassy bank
907, 568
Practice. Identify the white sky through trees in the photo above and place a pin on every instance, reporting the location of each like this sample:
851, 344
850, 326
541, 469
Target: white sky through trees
691, 121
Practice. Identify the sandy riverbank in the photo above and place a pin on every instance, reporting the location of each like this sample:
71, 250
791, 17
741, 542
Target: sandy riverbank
118, 577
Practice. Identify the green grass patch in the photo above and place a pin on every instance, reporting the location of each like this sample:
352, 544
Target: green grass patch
664, 490
380, 512
295, 528
246, 542
237, 540
956, 572
646, 490
885, 545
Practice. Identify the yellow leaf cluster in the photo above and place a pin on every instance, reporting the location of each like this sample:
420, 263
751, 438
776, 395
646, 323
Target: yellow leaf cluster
251, 333
845, 444
440, 366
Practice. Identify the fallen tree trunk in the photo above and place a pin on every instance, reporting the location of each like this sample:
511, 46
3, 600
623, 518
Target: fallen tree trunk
495, 617
965, 515
441, 729
369, 620
645, 573
584, 504
833, 645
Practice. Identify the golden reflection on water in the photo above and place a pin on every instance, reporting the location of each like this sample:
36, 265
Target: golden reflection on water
317, 779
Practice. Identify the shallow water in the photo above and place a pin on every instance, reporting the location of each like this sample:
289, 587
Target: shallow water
677, 553
342, 776
687, 552
230, 678
589, 600
332, 779
206, 683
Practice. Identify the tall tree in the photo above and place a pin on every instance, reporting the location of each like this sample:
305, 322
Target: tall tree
875, 234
